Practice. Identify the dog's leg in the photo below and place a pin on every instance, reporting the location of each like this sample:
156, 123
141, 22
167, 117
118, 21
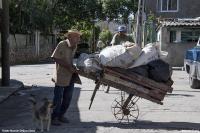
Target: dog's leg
35, 123
42, 126
49, 123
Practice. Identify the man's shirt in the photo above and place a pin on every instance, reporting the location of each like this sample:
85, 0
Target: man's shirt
119, 39
64, 52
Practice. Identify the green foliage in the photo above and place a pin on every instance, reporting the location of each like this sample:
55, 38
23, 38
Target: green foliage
119, 9
105, 36
151, 27
30, 15
47, 15
86, 36
151, 17
82, 25
97, 32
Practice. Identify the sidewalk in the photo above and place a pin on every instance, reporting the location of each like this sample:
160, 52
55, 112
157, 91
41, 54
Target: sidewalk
6, 92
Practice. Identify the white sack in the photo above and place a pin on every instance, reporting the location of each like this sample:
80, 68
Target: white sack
81, 59
163, 55
133, 49
119, 56
89, 63
149, 53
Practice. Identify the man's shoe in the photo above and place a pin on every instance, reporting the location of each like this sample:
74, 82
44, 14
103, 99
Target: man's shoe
55, 122
63, 119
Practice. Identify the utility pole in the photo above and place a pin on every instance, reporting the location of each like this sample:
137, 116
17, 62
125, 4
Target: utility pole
139, 29
5, 44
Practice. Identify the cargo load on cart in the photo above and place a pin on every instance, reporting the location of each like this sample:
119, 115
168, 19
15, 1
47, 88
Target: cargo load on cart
142, 73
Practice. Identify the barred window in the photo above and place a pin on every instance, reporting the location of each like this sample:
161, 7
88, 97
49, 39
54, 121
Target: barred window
167, 5
190, 36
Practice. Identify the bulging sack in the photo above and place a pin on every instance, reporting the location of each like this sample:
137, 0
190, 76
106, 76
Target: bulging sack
159, 70
132, 49
80, 61
92, 65
89, 63
149, 53
119, 56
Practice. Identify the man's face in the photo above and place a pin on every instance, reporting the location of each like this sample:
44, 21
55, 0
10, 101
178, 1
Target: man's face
74, 39
122, 33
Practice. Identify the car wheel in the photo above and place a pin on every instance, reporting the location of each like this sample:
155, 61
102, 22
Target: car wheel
194, 83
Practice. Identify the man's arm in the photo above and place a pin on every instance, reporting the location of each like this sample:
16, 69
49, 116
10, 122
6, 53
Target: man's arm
113, 42
65, 65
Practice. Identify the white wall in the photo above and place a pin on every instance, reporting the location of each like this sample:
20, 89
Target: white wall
105, 25
24, 49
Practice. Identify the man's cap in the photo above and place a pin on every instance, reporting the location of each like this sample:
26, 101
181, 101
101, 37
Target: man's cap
72, 31
121, 29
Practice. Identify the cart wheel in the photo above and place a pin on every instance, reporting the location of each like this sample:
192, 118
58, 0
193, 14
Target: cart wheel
127, 115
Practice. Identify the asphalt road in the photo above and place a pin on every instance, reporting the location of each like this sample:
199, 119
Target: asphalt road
180, 112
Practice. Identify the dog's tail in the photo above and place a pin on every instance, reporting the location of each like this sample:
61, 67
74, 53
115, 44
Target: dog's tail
32, 99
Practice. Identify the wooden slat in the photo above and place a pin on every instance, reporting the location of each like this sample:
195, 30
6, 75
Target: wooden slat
121, 87
90, 76
131, 91
140, 80
134, 86
128, 78
153, 90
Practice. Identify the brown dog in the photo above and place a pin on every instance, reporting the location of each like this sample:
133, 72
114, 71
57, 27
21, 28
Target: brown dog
41, 114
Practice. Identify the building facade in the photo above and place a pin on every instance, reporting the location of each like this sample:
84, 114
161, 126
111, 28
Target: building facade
179, 26
174, 8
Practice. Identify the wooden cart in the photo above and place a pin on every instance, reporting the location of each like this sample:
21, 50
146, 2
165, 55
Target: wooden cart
125, 109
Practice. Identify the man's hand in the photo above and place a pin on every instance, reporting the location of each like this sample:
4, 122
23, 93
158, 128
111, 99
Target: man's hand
73, 69
65, 65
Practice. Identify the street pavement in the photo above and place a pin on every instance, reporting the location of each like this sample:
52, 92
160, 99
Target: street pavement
180, 112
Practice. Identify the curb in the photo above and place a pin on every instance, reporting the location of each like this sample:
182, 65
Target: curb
178, 68
7, 91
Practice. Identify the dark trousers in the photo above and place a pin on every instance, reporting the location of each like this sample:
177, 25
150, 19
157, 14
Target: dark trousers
62, 99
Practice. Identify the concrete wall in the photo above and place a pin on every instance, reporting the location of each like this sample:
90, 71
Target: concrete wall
187, 9
176, 51
23, 47
47, 45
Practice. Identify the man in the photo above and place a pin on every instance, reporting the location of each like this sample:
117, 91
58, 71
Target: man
64, 83
121, 36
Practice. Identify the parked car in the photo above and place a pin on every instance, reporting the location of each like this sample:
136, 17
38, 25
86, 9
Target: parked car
192, 66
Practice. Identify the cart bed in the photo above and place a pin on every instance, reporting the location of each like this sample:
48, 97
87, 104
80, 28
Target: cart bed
131, 83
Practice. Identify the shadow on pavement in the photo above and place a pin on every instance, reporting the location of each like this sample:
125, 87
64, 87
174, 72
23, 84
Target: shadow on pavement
146, 125
192, 90
15, 113
183, 95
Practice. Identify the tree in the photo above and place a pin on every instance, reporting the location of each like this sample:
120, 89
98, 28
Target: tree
105, 36
46, 15
119, 9
31, 15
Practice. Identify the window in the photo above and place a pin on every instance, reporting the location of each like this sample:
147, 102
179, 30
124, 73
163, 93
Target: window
172, 5
167, 5
190, 36
172, 36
